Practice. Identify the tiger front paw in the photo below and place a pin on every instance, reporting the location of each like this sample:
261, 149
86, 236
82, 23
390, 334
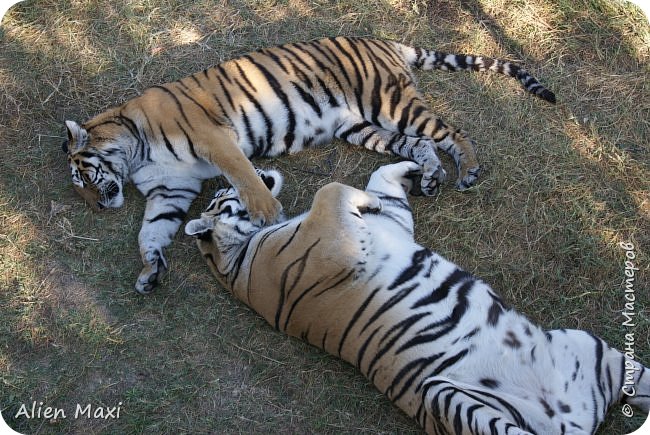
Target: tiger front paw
367, 203
154, 268
262, 206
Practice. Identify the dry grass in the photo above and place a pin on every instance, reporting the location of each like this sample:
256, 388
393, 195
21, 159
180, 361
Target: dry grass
563, 186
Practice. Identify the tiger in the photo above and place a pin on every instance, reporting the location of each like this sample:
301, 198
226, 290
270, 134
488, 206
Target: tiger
272, 101
440, 343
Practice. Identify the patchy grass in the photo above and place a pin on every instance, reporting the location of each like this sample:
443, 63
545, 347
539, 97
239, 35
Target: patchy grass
563, 186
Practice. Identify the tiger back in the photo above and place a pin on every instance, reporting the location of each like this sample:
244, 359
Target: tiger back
348, 277
265, 103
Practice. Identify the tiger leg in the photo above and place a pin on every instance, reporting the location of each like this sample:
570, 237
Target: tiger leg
451, 408
222, 151
391, 183
395, 180
421, 150
166, 208
455, 142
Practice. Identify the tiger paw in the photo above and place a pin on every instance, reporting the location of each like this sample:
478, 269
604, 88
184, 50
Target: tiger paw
368, 203
262, 206
154, 269
467, 178
432, 177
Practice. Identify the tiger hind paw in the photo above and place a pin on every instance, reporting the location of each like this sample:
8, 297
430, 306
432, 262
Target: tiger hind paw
432, 178
468, 179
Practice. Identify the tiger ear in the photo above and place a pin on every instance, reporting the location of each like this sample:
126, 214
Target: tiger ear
77, 137
272, 179
199, 227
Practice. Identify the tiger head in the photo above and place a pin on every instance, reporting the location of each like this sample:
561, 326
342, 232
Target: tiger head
97, 160
225, 226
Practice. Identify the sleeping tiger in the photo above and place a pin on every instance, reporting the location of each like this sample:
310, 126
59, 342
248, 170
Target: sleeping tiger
275, 100
437, 341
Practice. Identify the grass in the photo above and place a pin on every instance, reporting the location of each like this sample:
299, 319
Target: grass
563, 186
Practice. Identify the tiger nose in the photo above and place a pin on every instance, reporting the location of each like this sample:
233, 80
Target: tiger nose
100, 206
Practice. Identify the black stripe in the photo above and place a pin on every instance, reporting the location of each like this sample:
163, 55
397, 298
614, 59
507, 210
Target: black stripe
356, 317
297, 301
326, 69
331, 99
299, 59
461, 61
419, 365
447, 324
326, 52
276, 59
376, 98
367, 138
249, 133
459, 308
359, 56
170, 189
356, 128
243, 74
390, 51
493, 426
494, 313
310, 288
226, 93
268, 122
307, 98
439, 125
145, 153
177, 215
335, 59
362, 350
395, 99
458, 425
417, 263
338, 282
180, 82
189, 141
358, 86
285, 286
168, 144
375, 58
390, 303
469, 416
295, 231
397, 331
207, 113
259, 243
277, 89
179, 106
401, 125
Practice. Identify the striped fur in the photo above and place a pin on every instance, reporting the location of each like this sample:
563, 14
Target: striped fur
275, 100
348, 277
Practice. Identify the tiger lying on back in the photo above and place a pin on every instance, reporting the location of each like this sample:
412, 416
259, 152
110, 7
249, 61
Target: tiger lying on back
265, 103
348, 277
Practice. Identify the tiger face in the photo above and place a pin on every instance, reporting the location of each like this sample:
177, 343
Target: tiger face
95, 165
228, 213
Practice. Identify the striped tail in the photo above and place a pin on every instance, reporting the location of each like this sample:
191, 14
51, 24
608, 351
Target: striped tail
428, 59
